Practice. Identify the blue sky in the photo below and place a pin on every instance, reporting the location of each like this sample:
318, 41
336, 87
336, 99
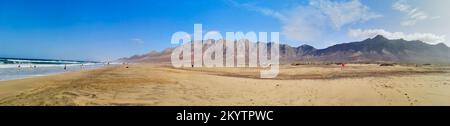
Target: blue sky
109, 29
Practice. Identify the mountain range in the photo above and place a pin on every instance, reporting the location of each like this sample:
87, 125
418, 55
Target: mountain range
372, 50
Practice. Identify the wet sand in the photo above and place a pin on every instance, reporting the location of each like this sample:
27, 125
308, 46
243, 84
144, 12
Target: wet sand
147, 84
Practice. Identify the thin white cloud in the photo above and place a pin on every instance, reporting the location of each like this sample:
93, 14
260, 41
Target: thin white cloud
425, 37
309, 23
262, 10
305, 24
138, 41
342, 13
413, 14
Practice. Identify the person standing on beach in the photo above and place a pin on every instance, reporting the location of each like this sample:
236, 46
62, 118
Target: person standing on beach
65, 67
126, 65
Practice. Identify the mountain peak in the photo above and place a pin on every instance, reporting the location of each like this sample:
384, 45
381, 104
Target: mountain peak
380, 37
305, 46
441, 45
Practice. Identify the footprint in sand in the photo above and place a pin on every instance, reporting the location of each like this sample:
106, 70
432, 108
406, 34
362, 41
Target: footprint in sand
311, 94
377, 87
410, 99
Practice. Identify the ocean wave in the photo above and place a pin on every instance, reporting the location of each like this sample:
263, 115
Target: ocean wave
44, 65
39, 61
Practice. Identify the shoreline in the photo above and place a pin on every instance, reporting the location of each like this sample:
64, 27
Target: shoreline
47, 71
24, 85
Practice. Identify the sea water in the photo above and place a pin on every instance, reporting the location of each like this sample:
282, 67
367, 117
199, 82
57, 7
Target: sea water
9, 67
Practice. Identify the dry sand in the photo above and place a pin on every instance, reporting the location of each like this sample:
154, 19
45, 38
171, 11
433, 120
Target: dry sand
146, 84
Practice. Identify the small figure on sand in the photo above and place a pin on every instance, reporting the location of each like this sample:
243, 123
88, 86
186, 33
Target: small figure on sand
65, 67
342, 66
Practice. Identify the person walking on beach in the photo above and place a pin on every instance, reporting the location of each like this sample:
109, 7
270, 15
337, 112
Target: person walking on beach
342, 66
65, 67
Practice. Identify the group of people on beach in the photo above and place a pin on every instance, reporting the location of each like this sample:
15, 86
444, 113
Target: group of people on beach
19, 67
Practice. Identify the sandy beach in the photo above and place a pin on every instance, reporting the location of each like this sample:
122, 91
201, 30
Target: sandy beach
310, 85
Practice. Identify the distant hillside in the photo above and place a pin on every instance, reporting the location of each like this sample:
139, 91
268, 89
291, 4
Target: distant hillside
377, 49
152, 57
380, 49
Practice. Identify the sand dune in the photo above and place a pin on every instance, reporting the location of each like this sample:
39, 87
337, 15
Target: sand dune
147, 84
